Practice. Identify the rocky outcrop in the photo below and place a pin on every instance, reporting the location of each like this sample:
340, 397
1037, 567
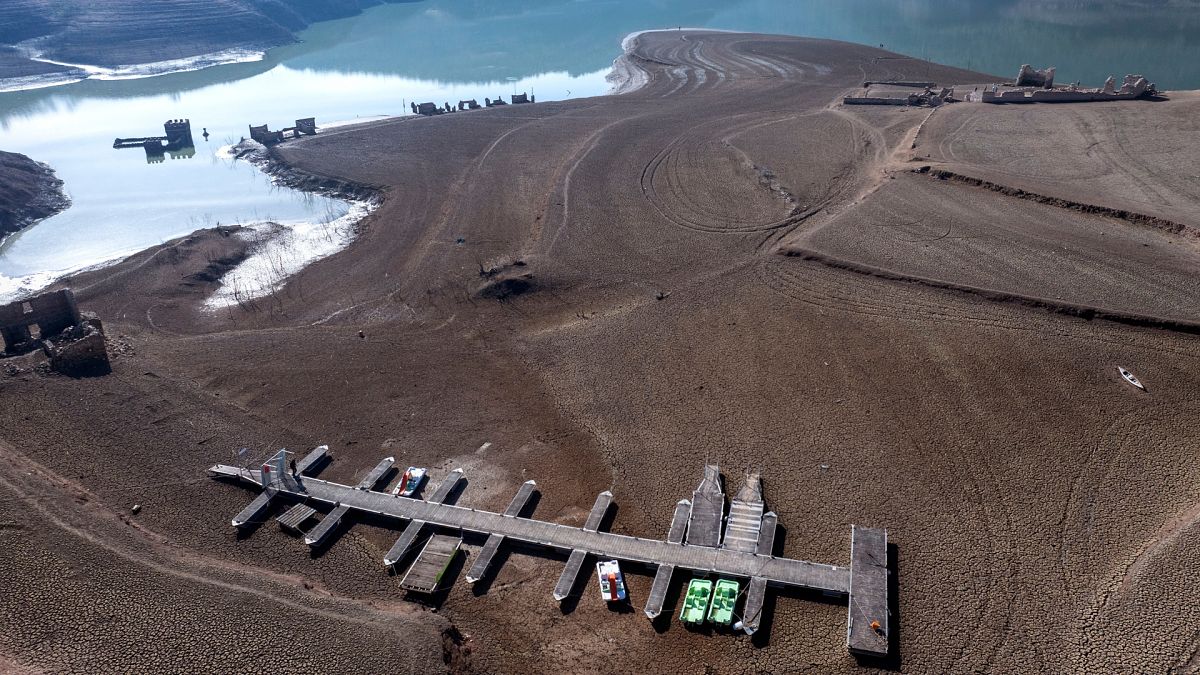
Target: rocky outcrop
31, 192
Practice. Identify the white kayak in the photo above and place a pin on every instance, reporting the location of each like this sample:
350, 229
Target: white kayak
1131, 378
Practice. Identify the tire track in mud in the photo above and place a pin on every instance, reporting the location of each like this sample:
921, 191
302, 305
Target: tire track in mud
660, 181
562, 184
1131, 217
80, 514
1086, 312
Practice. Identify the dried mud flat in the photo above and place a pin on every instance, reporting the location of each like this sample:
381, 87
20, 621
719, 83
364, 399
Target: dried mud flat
724, 264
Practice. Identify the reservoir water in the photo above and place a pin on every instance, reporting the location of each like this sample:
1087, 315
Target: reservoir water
443, 50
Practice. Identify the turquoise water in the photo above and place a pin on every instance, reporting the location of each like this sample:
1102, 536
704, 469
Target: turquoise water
377, 63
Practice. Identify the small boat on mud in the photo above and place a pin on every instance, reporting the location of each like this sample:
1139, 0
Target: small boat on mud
1131, 378
724, 598
410, 481
695, 603
612, 582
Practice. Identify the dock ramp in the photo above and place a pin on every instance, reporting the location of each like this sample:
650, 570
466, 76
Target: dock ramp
427, 570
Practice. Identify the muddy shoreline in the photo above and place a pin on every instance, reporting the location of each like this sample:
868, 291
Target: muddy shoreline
596, 294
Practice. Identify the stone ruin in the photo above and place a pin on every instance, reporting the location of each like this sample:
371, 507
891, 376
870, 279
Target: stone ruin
306, 126
73, 341
1132, 87
930, 98
264, 135
1028, 76
428, 108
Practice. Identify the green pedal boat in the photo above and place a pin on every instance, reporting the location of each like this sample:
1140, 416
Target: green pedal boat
723, 600
695, 604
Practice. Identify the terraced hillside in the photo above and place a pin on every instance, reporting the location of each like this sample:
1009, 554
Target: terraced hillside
126, 32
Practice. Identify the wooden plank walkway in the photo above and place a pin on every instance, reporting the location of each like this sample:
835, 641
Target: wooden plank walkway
570, 573
865, 581
743, 526
483, 561
409, 537
867, 627
253, 511
708, 509
375, 475
490, 547
779, 571
599, 509
328, 524
313, 460
766, 536
744, 523
432, 562
752, 611
658, 591
662, 576
295, 517
683, 511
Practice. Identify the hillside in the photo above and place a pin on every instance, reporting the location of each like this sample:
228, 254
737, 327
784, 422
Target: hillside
31, 192
129, 32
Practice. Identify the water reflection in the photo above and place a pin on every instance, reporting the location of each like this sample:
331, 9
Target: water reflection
490, 40
397, 55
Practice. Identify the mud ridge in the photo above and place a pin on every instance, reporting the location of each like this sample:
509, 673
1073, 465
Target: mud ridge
1086, 312
269, 162
1131, 217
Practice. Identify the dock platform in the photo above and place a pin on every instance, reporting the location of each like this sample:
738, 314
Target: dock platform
745, 521
492, 546
295, 517
867, 628
708, 509
409, 537
864, 582
662, 576
426, 572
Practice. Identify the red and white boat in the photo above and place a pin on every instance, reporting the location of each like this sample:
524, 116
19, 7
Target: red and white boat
612, 582
410, 481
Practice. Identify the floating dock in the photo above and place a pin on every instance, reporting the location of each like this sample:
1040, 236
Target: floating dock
427, 570
694, 541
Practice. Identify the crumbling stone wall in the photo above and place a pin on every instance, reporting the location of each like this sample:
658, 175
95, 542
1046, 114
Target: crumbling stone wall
50, 313
73, 341
1028, 76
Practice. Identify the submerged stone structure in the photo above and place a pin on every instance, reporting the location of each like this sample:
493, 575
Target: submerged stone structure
306, 126
177, 141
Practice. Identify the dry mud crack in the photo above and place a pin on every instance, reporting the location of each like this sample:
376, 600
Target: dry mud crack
718, 265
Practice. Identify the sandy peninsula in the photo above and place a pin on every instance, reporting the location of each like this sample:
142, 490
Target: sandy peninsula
907, 318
